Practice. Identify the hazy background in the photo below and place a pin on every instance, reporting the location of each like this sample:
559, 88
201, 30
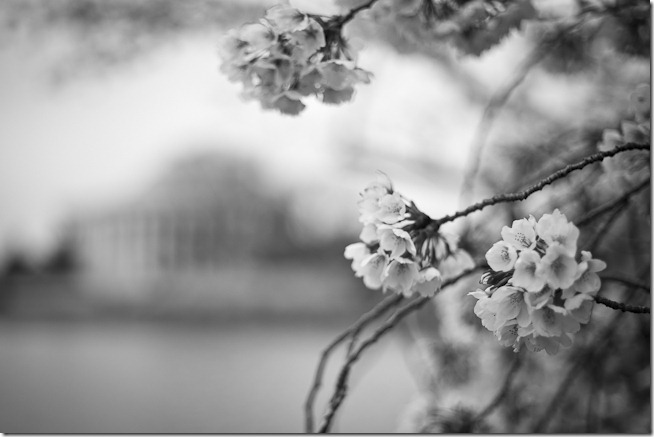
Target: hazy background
172, 255
118, 133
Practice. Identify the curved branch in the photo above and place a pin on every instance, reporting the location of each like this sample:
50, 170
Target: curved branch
492, 110
343, 19
497, 102
621, 306
522, 195
593, 214
602, 231
377, 311
340, 390
616, 208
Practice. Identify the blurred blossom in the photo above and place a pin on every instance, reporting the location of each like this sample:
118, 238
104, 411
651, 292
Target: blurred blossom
627, 168
289, 55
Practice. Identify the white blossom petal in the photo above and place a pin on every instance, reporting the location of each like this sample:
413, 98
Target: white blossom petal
501, 257
521, 234
399, 275
557, 267
527, 274
555, 228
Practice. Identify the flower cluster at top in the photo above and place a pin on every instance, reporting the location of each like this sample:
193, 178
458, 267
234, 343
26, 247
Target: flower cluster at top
400, 250
538, 294
472, 27
289, 55
630, 166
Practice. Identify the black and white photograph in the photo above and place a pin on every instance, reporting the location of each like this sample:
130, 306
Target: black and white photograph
325, 216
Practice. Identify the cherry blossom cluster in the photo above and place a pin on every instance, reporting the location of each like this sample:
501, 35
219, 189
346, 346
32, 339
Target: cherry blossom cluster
631, 165
538, 294
289, 55
399, 249
472, 27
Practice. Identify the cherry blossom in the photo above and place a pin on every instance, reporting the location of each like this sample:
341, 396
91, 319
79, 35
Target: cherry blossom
387, 255
287, 56
555, 228
396, 241
428, 282
501, 256
521, 234
527, 274
372, 269
391, 208
557, 267
538, 295
400, 275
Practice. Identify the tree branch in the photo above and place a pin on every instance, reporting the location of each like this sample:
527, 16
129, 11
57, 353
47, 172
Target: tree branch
602, 231
522, 195
593, 214
621, 306
377, 311
340, 390
497, 102
344, 19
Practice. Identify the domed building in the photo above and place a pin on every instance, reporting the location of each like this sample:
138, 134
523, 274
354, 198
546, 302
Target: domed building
204, 213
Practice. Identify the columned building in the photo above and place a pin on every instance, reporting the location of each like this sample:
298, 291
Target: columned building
205, 213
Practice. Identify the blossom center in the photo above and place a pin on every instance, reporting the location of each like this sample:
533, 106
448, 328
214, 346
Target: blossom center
520, 237
505, 255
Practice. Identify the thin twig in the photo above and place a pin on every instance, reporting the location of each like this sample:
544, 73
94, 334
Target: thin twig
377, 311
341, 385
616, 207
621, 306
371, 315
340, 390
626, 281
593, 214
492, 110
522, 195
353, 12
517, 362
497, 101
603, 230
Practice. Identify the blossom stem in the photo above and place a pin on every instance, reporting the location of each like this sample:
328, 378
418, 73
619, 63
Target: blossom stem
340, 391
522, 195
621, 306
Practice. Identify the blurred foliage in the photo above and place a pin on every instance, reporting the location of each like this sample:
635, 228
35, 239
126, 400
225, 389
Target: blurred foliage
112, 33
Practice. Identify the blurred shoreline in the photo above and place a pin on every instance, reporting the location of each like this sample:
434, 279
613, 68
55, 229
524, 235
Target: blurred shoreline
285, 293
